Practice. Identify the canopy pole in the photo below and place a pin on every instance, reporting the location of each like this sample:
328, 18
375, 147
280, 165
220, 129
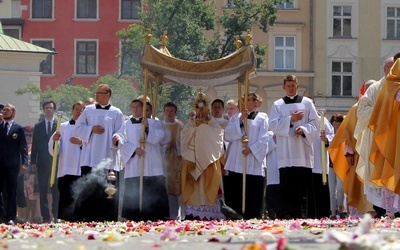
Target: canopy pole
142, 140
156, 96
150, 90
245, 141
55, 151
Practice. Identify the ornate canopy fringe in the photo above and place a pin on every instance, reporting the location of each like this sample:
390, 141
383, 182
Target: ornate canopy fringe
159, 62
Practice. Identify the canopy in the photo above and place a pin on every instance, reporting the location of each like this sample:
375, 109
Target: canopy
159, 62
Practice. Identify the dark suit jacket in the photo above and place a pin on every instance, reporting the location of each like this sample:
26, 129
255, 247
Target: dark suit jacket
13, 147
40, 152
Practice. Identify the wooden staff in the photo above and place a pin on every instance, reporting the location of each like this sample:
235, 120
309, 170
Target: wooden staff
55, 152
155, 100
142, 140
323, 148
245, 141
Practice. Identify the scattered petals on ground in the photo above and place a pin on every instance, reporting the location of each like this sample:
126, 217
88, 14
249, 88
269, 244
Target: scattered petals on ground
324, 234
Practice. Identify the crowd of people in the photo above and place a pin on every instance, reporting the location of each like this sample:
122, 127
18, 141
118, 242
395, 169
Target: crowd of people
227, 162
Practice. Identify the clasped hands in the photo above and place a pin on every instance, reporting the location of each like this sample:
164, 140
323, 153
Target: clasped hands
73, 139
297, 116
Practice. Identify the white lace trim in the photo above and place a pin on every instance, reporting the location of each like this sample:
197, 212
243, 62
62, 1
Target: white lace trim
206, 212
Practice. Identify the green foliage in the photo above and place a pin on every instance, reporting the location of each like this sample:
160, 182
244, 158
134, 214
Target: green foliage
244, 16
133, 40
29, 88
185, 21
66, 95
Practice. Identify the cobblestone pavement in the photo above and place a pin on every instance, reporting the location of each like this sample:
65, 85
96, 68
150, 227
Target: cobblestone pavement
251, 234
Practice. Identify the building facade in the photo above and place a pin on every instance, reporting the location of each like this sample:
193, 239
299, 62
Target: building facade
332, 46
352, 40
290, 43
82, 32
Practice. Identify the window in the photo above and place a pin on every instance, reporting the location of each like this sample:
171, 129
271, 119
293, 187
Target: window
393, 23
13, 32
341, 21
86, 57
284, 53
285, 5
42, 8
86, 9
130, 60
46, 66
130, 9
342, 78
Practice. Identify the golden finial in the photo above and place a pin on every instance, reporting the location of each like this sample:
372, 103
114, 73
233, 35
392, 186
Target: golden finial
164, 38
248, 37
237, 42
148, 36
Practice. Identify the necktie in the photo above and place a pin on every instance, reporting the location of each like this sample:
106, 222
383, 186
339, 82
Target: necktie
5, 129
48, 128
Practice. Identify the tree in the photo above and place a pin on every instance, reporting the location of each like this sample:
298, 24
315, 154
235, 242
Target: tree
132, 41
243, 16
186, 21
66, 95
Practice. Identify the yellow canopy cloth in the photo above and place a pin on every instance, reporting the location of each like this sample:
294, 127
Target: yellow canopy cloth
352, 184
385, 123
210, 73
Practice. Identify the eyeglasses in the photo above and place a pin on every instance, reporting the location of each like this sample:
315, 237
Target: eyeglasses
101, 93
28, 135
7, 110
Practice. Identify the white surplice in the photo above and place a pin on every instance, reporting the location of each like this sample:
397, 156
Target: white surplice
69, 153
294, 150
257, 130
156, 137
272, 161
98, 147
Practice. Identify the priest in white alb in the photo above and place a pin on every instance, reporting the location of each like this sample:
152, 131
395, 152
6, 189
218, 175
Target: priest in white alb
96, 127
154, 193
294, 120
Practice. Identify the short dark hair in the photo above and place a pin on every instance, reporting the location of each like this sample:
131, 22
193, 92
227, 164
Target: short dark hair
216, 101
171, 104
289, 78
253, 96
106, 87
49, 102
78, 103
137, 101
337, 118
396, 56
150, 105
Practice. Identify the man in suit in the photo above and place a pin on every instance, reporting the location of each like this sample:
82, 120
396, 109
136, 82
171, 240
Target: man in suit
41, 160
13, 160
